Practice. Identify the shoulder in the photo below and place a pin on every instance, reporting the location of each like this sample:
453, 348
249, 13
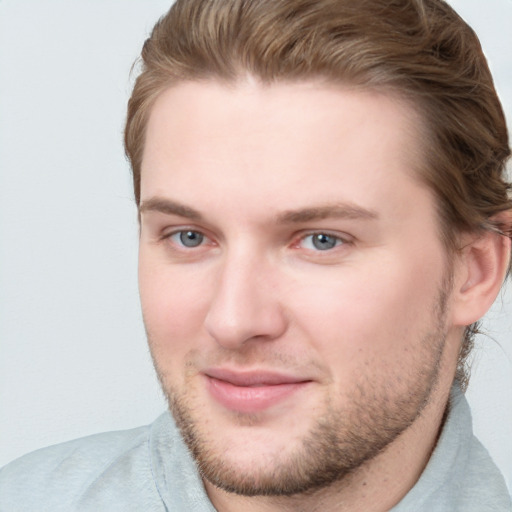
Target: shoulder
485, 485
460, 475
80, 471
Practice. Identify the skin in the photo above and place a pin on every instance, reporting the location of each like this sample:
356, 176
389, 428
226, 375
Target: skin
369, 328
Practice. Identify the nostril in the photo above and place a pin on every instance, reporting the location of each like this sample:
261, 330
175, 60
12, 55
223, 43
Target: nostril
234, 328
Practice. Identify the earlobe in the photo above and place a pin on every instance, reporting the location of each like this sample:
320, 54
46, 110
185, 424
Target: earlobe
481, 270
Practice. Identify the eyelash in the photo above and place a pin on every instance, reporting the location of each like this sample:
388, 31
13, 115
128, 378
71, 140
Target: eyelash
337, 239
181, 232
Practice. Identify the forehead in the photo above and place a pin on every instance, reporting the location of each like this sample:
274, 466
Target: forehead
197, 109
279, 145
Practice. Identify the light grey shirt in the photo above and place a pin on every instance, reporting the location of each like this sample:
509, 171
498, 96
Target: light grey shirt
149, 469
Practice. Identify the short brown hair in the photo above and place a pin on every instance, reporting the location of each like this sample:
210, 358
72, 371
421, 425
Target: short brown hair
420, 50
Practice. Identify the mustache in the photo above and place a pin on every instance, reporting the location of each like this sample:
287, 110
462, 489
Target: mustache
267, 358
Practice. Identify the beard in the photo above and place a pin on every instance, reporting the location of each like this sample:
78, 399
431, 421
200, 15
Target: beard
354, 425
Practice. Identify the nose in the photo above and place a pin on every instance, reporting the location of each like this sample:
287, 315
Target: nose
245, 305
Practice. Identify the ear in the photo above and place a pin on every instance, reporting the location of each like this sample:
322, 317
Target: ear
480, 271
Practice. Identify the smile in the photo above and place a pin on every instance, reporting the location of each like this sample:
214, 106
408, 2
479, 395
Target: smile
251, 392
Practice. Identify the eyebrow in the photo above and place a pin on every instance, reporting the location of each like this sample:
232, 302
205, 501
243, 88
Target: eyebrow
159, 204
337, 211
297, 216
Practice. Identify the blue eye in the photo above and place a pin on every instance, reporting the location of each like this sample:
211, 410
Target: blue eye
321, 241
188, 238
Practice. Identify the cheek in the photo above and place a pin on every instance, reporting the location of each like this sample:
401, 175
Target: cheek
173, 307
360, 316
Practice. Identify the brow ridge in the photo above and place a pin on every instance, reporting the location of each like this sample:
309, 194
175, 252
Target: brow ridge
300, 215
169, 207
309, 214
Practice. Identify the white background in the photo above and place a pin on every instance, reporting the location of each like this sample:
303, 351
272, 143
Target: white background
73, 356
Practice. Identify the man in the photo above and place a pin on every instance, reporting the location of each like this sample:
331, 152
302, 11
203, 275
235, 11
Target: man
323, 219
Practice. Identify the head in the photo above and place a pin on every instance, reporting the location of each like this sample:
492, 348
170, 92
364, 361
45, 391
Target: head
420, 51
414, 61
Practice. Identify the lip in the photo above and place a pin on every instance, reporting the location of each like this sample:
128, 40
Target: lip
251, 391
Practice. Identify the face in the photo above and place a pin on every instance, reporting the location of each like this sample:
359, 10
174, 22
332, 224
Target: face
292, 278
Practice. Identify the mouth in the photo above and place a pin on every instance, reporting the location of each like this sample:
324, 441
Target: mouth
251, 391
